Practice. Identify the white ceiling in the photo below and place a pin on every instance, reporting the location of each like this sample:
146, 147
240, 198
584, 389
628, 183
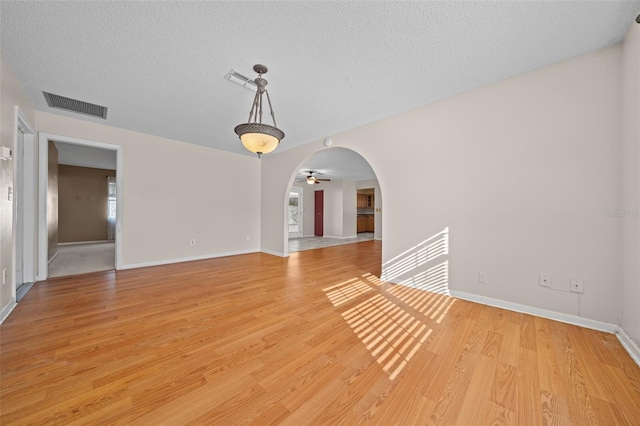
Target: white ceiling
159, 66
337, 163
86, 156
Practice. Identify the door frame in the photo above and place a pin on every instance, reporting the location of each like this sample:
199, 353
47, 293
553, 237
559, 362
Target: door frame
44, 138
300, 193
24, 168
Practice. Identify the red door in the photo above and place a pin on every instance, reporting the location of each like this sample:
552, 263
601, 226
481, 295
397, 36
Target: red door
319, 214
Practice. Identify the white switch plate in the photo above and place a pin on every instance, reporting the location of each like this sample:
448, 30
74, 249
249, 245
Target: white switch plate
4, 276
577, 286
545, 280
483, 278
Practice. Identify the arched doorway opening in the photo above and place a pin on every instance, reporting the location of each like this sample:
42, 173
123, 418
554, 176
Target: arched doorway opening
333, 198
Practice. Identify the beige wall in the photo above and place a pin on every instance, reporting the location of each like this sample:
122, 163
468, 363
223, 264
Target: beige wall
519, 171
82, 203
11, 94
52, 201
630, 205
175, 191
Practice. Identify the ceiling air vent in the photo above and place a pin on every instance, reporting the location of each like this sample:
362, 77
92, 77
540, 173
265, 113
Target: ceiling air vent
74, 105
240, 79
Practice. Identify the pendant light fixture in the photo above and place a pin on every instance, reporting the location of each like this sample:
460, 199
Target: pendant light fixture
256, 136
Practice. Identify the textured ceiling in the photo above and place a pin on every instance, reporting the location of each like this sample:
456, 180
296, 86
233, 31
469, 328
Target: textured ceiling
337, 163
159, 66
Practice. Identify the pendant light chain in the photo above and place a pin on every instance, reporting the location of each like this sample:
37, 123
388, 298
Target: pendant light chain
273, 115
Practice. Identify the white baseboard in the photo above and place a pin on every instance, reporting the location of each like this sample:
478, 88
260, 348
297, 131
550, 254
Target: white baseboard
339, 238
628, 344
544, 313
86, 242
378, 239
6, 309
53, 258
187, 259
274, 253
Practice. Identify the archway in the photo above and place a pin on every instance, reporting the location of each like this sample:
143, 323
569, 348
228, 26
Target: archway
334, 177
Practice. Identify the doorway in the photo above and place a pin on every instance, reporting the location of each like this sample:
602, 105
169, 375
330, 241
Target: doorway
84, 246
295, 212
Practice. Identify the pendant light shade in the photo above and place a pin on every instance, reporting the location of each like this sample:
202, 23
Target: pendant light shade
255, 136
259, 138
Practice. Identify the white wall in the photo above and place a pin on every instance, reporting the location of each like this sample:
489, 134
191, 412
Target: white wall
630, 223
308, 203
519, 171
339, 208
333, 206
175, 191
11, 94
377, 204
349, 209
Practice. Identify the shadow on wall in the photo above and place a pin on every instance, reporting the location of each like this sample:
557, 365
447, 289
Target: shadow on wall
424, 266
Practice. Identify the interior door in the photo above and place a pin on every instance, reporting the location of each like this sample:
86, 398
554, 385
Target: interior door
19, 207
319, 214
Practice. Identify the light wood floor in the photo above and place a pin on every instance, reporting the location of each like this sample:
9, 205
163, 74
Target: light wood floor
313, 339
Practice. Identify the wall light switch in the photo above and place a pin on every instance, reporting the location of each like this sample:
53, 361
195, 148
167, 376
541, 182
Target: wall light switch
5, 153
483, 278
545, 280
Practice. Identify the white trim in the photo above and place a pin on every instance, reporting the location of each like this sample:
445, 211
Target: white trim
7, 309
187, 259
24, 170
43, 246
557, 316
274, 253
339, 238
77, 243
53, 258
628, 344
378, 239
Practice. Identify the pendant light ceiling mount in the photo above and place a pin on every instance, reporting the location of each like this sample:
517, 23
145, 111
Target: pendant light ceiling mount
256, 136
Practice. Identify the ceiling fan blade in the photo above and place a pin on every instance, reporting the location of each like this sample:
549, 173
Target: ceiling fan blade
324, 180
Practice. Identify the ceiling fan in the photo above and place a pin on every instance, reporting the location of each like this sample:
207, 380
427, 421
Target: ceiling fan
311, 179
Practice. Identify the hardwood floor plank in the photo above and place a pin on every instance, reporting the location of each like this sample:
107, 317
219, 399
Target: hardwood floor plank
316, 338
528, 394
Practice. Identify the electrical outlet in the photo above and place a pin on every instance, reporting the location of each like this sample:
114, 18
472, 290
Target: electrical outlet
192, 242
577, 286
545, 280
483, 278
